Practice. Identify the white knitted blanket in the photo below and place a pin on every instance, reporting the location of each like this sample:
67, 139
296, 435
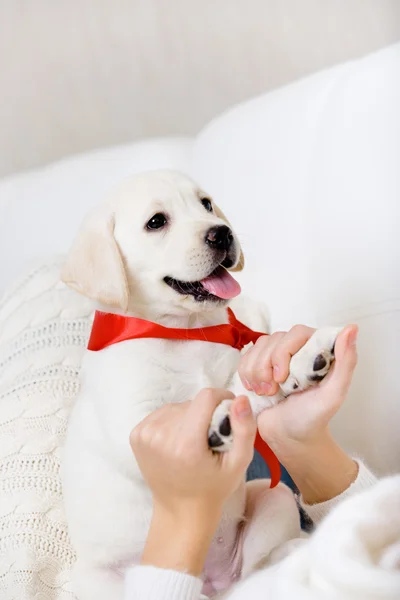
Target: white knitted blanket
43, 332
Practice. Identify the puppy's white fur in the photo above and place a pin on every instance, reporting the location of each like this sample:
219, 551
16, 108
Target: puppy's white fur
121, 265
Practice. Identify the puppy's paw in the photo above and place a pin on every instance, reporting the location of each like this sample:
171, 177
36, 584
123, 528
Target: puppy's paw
312, 362
220, 433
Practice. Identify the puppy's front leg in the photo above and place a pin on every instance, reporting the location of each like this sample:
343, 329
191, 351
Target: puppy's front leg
220, 436
308, 367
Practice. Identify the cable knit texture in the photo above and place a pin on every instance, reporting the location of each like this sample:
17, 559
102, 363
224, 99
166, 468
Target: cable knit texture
44, 328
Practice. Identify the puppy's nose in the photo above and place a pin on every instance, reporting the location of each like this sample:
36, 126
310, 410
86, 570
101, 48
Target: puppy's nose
219, 237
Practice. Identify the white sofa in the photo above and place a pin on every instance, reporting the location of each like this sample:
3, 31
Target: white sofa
80, 74
309, 177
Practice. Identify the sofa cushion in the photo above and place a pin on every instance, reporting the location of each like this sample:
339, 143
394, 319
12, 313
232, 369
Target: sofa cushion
310, 178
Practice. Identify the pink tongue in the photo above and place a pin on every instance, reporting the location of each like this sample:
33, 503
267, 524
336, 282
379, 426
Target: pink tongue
221, 284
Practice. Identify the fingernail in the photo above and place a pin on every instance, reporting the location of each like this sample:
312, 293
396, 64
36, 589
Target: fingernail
256, 388
242, 408
247, 385
352, 339
265, 387
276, 371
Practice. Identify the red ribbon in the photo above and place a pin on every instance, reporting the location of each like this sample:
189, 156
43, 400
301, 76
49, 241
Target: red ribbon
109, 329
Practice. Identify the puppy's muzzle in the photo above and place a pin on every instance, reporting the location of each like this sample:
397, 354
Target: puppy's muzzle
219, 238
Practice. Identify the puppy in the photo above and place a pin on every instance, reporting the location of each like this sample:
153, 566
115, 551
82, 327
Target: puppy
161, 250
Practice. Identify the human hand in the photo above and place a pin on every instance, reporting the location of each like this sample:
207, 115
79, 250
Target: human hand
188, 481
171, 447
297, 429
303, 416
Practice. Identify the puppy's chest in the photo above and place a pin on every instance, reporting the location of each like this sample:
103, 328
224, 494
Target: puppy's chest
173, 371
192, 366
203, 364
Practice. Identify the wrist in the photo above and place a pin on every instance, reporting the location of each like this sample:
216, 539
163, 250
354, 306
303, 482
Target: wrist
180, 540
319, 467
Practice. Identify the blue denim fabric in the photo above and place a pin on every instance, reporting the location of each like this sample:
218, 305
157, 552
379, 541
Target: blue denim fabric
258, 469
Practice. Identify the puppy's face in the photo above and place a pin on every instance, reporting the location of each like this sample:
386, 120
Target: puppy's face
159, 241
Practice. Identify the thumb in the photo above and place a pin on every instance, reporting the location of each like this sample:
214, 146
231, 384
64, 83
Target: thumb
345, 358
244, 427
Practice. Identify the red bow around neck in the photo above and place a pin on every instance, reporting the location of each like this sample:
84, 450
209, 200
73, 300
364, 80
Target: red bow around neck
109, 329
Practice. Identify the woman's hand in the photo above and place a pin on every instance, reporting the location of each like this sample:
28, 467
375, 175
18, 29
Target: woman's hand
189, 483
297, 429
171, 448
303, 416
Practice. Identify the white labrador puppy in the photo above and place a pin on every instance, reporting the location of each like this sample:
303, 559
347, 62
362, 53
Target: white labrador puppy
159, 249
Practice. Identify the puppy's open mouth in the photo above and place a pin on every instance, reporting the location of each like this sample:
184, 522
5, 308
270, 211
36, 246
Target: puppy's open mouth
219, 285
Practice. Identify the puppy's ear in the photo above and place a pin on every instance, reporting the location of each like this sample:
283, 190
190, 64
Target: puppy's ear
94, 265
220, 214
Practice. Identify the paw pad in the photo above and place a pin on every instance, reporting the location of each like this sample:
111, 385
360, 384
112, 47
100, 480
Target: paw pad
316, 378
319, 362
220, 431
225, 426
214, 441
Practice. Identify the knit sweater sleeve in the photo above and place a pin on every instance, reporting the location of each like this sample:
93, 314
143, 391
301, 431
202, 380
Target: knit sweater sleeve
365, 479
152, 583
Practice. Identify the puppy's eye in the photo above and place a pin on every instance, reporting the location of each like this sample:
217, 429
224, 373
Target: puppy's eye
157, 221
207, 204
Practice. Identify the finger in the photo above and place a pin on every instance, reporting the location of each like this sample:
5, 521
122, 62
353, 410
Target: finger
244, 368
199, 414
262, 376
161, 414
244, 429
255, 368
258, 369
288, 346
345, 360
154, 421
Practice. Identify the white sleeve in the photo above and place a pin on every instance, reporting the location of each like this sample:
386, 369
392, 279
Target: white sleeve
365, 479
152, 583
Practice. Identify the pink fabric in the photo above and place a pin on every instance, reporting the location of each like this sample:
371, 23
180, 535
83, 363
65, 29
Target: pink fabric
224, 561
